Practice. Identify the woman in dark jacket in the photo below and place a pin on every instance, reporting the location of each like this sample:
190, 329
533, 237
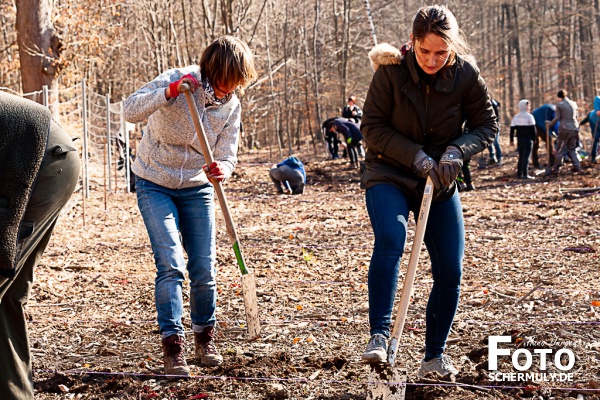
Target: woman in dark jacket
416, 109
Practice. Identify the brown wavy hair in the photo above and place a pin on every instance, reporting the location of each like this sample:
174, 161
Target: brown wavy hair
228, 60
440, 21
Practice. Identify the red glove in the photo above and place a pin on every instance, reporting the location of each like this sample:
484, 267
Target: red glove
215, 172
189, 79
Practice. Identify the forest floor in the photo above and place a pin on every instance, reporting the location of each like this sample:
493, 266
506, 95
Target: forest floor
531, 271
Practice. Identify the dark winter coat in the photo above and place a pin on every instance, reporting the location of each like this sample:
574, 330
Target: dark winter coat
24, 127
403, 114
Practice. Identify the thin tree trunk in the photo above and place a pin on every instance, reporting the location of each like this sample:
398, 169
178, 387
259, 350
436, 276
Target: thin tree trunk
285, 80
315, 65
517, 45
370, 19
307, 82
274, 109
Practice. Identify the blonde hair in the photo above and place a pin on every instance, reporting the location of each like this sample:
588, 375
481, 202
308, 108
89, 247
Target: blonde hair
440, 21
228, 60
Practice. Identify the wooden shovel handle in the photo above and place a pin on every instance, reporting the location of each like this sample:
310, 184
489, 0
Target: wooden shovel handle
411, 271
208, 156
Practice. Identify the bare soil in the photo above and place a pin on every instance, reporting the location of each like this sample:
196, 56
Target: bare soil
531, 271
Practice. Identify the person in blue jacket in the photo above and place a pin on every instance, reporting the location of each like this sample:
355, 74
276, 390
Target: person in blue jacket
546, 112
594, 119
289, 175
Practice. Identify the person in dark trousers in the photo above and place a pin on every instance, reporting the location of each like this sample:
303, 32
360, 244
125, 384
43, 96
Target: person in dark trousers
289, 176
523, 127
542, 114
466, 178
351, 111
175, 192
332, 139
36, 181
414, 114
594, 119
568, 132
352, 138
495, 150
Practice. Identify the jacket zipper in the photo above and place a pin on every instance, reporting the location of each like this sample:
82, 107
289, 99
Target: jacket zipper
426, 106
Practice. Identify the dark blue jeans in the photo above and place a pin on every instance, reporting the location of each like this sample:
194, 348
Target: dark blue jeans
388, 209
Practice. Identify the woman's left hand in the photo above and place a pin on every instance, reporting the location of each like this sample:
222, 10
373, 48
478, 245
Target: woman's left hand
214, 172
450, 165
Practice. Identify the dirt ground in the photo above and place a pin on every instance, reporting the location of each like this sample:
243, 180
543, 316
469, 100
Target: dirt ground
531, 271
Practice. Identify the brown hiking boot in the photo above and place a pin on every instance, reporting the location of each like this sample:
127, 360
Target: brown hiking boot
207, 354
174, 356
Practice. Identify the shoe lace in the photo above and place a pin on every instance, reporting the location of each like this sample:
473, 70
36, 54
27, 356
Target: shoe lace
176, 354
209, 348
376, 341
446, 363
178, 359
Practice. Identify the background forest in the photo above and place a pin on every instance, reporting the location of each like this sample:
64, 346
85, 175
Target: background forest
311, 54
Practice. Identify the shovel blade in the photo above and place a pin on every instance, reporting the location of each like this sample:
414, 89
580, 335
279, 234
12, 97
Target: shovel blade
386, 383
392, 351
251, 305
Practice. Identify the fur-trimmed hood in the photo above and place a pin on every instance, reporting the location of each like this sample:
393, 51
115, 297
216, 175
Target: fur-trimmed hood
384, 54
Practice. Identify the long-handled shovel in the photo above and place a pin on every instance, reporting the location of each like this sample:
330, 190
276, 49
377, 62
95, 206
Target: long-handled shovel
549, 150
386, 382
248, 283
410, 272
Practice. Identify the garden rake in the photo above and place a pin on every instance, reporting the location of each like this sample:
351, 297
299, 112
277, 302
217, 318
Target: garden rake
248, 282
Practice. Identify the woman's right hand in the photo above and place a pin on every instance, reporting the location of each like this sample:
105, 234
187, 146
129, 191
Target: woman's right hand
174, 87
424, 166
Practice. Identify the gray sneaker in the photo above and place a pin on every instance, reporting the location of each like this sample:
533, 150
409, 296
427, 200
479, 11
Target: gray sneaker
442, 366
376, 351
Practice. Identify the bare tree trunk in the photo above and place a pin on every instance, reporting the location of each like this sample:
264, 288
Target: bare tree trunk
345, 48
285, 80
39, 47
587, 56
307, 82
517, 45
507, 62
315, 64
371, 25
227, 16
274, 109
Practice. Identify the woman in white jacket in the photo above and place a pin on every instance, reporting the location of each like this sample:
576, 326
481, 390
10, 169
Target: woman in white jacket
174, 190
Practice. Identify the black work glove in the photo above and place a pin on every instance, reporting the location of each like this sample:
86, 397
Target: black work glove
450, 165
424, 166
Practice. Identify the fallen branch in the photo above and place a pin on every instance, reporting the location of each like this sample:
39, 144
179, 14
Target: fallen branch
577, 190
457, 384
513, 200
528, 294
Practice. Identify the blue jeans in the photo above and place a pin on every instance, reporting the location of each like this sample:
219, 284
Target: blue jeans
388, 209
495, 150
181, 220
